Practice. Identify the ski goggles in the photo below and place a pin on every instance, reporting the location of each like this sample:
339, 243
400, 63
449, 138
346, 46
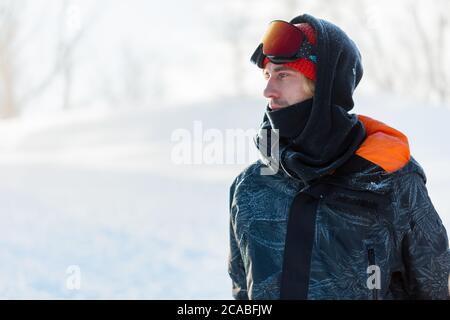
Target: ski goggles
283, 42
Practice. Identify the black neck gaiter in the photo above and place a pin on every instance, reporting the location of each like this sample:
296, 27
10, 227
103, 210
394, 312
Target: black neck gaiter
309, 151
290, 121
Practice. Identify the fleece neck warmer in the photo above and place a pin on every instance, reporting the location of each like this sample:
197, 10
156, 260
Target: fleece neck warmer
319, 135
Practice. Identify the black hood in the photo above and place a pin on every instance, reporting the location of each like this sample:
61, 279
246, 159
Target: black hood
330, 135
338, 67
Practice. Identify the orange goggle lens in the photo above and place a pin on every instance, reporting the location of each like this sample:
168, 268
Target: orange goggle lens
281, 39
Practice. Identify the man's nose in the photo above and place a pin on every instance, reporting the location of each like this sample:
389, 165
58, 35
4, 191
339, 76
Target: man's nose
271, 91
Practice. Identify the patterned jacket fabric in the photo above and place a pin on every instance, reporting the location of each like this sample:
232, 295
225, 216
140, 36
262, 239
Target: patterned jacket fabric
369, 211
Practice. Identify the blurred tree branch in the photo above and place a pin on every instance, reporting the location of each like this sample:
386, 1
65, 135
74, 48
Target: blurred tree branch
11, 44
8, 27
63, 65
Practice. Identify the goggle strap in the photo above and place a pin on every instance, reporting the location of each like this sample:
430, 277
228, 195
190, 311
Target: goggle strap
258, 56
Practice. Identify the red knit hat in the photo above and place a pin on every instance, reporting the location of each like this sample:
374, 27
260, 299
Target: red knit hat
305, 66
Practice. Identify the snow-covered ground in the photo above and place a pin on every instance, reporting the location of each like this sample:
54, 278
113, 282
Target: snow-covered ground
98, 189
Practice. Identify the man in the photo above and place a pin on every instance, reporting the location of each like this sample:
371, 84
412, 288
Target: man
345, 213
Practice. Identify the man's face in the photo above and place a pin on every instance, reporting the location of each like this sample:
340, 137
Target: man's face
285, 86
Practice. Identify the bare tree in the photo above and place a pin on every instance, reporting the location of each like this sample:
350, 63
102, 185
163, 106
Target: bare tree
230, 20
420, 44
138, 83
429, 44
443, 43
8, 27
11, 43
441, 74
233, 35
136, 80
71, 31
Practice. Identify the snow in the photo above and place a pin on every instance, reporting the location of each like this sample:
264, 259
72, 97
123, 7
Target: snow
97, 189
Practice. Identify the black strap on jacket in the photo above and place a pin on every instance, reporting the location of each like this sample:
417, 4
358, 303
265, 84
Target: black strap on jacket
299, 243
301, 231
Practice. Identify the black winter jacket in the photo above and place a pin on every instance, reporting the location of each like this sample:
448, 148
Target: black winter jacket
357, 217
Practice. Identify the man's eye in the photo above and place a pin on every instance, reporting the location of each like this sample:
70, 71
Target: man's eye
282, 75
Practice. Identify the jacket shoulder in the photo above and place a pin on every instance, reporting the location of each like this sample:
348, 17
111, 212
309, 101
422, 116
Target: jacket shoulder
411, 168
250, 171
